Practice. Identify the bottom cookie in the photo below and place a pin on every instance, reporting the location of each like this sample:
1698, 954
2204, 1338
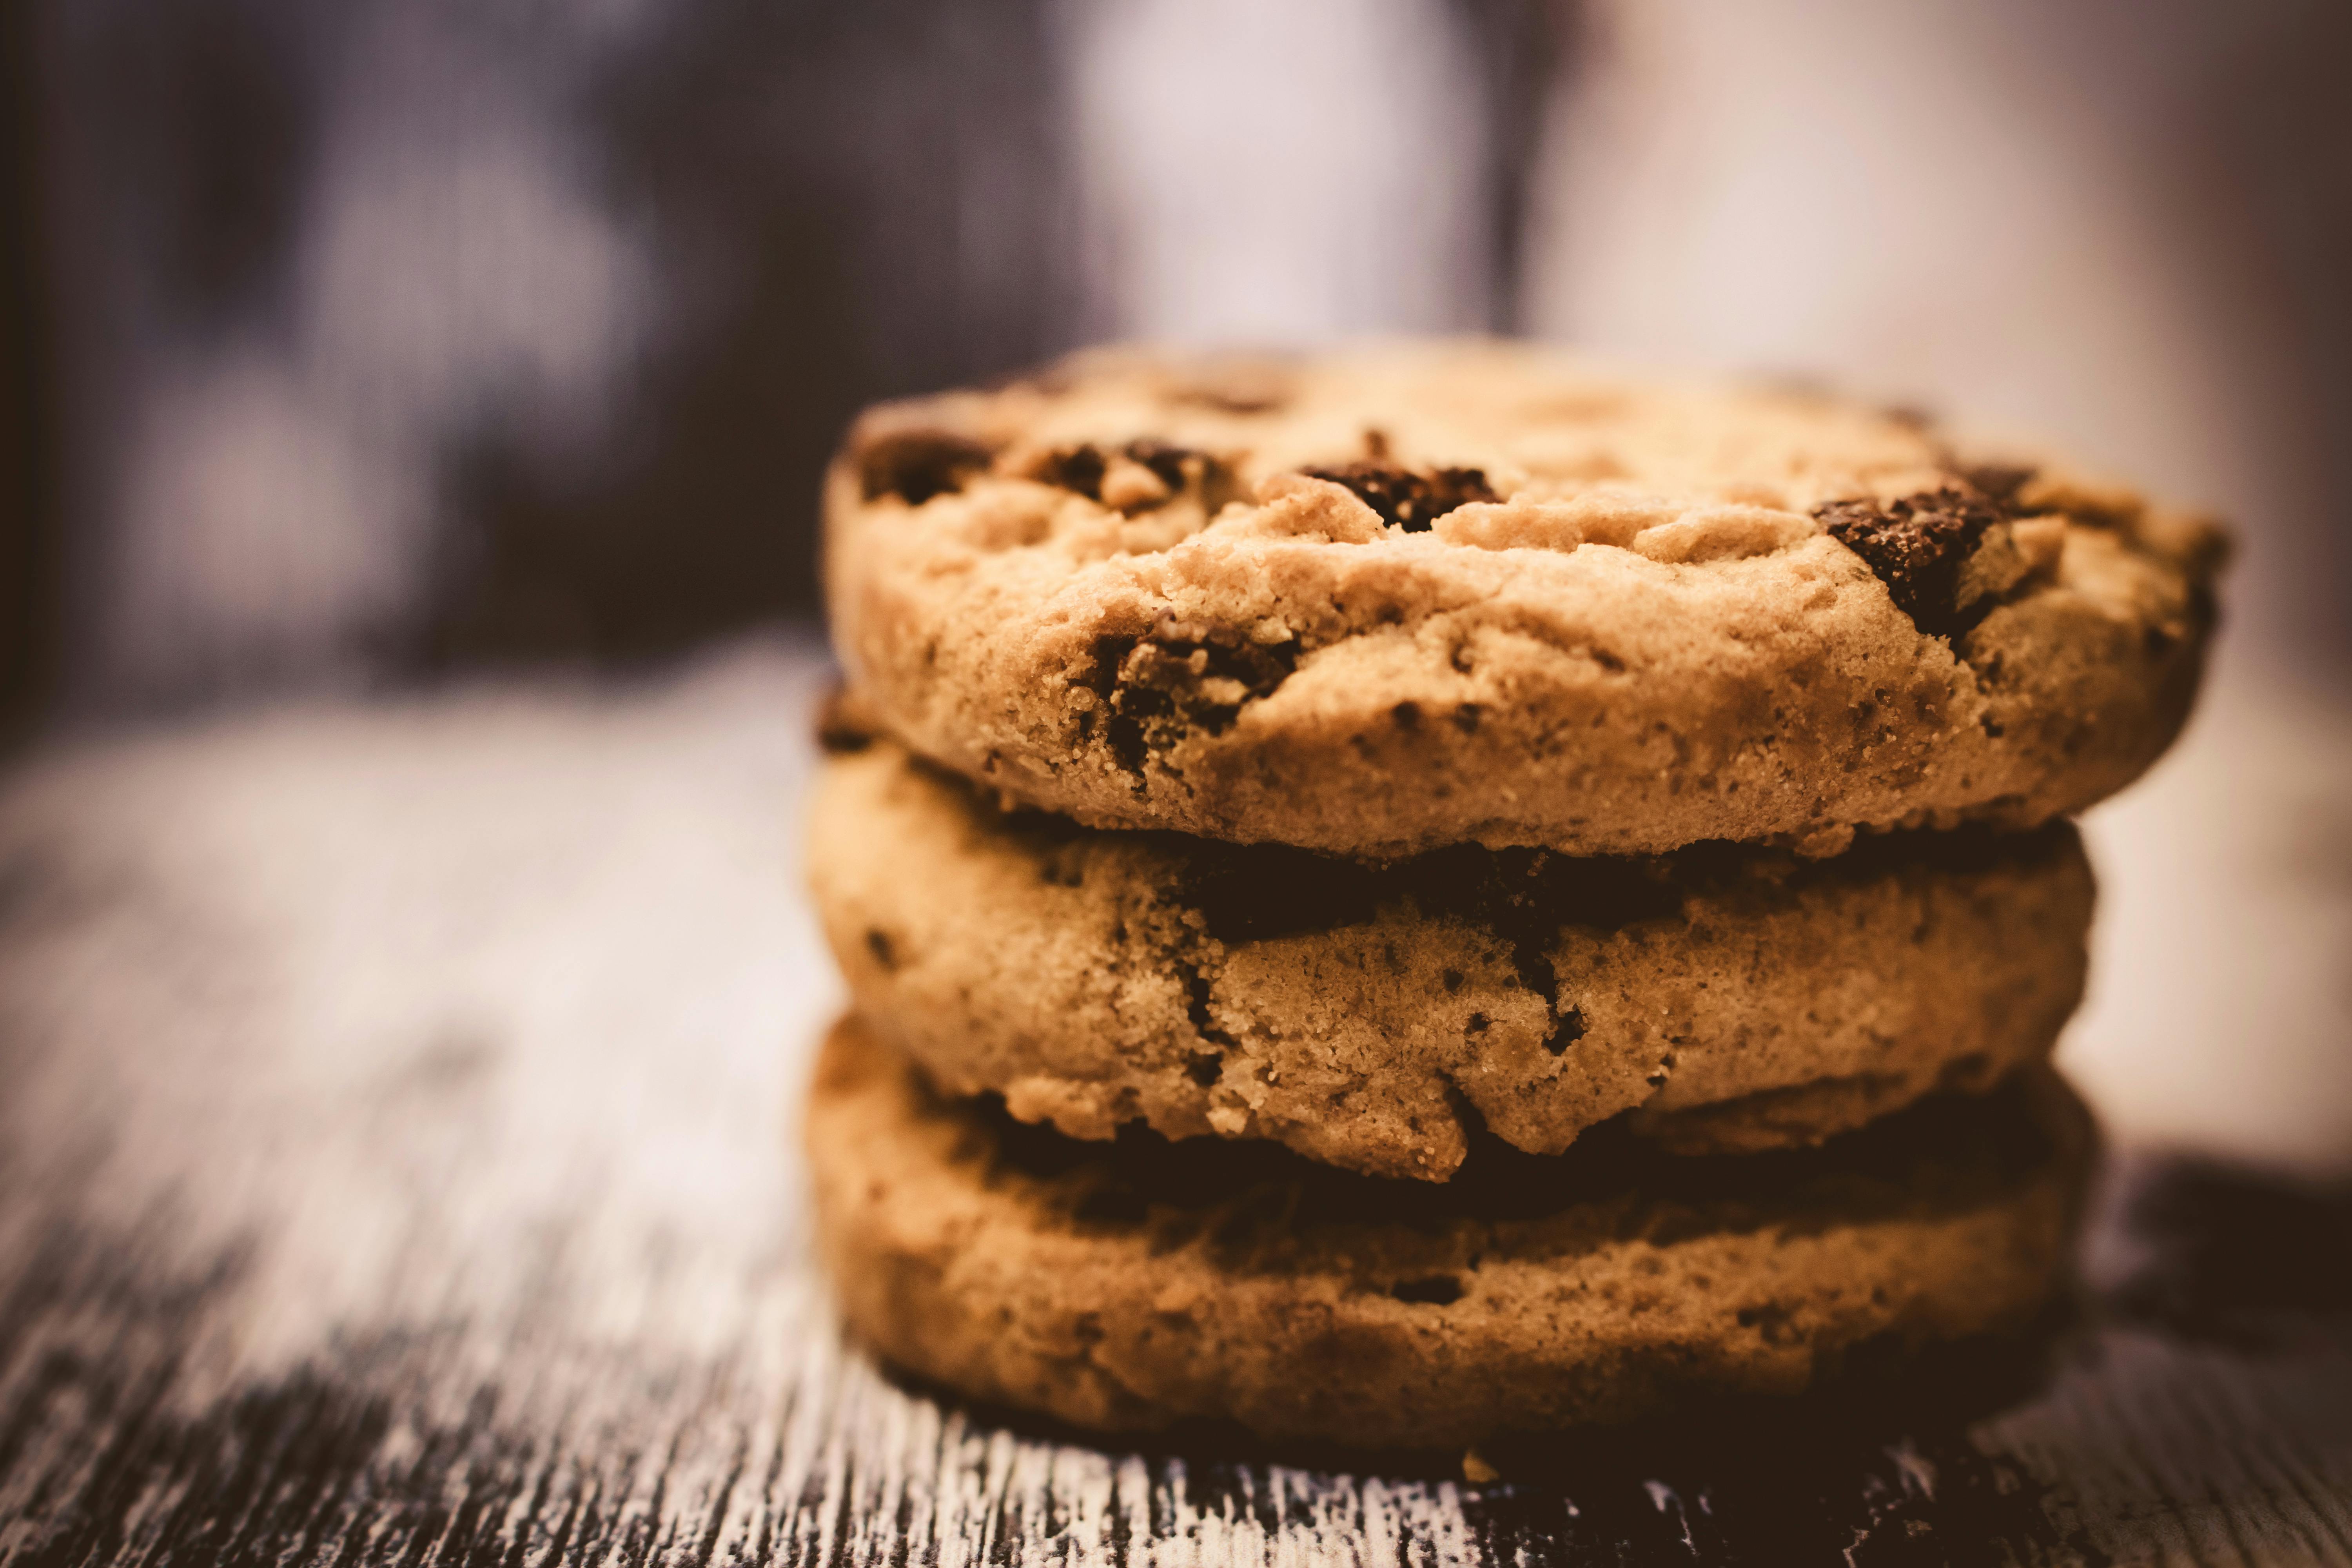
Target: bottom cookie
1131, 1286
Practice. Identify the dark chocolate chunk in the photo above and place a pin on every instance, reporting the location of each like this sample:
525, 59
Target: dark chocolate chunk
1129, 743
1079, 468
1178, 659
1166, 462
1408, 500
1181, 469
1916, 546
1157, 685
916, 465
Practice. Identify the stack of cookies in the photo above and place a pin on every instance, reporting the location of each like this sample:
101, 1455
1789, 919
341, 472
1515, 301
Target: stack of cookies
1437, 892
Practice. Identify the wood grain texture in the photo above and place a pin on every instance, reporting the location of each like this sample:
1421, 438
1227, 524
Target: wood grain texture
395, 1168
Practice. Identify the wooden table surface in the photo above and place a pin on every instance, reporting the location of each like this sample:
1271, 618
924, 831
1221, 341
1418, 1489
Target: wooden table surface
395, 1166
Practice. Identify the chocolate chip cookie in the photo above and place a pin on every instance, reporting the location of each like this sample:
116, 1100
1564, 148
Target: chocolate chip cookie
1394, 599
1720, 999
1129, 1285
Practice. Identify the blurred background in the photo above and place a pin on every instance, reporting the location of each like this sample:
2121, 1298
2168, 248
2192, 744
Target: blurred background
350, 349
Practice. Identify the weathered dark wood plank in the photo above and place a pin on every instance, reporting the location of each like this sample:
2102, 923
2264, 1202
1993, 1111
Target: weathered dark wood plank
395, 1168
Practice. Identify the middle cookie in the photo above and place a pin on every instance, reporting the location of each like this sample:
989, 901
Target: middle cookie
1725, 1000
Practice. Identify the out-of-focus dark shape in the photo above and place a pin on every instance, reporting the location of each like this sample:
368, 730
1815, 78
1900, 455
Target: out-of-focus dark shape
2216, 1250
394, 337
209, 130
28, 533
1519, 48
843, 202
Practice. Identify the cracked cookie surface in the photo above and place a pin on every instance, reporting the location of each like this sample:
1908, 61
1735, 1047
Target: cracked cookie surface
1402, 597
1131, 1286
1722, 999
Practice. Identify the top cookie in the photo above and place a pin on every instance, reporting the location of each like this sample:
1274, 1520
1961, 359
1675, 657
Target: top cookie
1426, 594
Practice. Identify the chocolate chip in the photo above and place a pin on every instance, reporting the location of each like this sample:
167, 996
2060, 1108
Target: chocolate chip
1079, 468
1129, 745
878, 942
1407, 715
1916, 546
1178, 665
1166, 462
1157, 687
2001, 481
1409, 499
916, 465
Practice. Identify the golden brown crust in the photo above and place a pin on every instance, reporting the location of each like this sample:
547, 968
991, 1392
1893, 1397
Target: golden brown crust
1727, 1000
1129, 1289
1117, 597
